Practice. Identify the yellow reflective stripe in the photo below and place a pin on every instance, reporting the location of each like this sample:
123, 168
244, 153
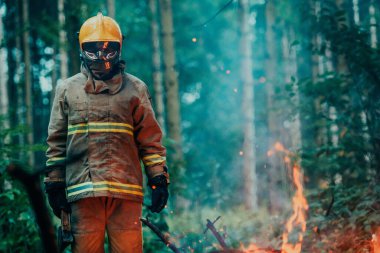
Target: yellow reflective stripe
100, 130
101, 124
56, 159
110, 130
105, 189
78, 125
79, 185
118, 190
155, 162
110, 124
118, 184
78, 192
100, 127
104, 186
150, 157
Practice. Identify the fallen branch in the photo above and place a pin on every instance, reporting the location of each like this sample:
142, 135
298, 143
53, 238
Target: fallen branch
164, 239
210, 225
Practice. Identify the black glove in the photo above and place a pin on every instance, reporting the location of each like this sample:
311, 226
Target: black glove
160, 194
57, 197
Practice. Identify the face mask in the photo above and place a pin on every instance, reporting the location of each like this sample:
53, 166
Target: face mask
102, 58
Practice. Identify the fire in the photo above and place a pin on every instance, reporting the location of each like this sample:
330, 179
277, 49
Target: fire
251, 248
376, 241
298, 218
299, 204
296, 224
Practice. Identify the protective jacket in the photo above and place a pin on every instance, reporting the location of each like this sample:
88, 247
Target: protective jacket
99, 132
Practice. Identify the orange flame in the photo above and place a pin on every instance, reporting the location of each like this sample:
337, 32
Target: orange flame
376, 241
299, 203
251, 248
298, 218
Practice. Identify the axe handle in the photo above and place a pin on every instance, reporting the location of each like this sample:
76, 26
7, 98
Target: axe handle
65, 221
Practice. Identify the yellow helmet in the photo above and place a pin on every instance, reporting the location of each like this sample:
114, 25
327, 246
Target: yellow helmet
100, 28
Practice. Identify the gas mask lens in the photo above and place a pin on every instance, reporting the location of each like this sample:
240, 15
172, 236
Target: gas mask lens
105, 51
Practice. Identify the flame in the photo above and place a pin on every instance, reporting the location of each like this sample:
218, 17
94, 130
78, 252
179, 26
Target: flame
299, 203
298, 218
251, 248
376, 241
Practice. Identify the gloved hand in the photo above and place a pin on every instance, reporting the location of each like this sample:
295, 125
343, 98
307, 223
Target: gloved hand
160, 194
57, 197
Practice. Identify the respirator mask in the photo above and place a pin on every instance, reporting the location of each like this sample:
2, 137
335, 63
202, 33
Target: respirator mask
101, 59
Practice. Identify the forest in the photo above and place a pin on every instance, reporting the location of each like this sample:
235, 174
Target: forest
270, 111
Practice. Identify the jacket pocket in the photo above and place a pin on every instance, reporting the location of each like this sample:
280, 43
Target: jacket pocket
78, 113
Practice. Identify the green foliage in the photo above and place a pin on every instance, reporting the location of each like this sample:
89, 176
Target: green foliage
342, 219
18, 231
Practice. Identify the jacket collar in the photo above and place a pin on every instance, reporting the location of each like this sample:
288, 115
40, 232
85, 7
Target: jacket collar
94, 86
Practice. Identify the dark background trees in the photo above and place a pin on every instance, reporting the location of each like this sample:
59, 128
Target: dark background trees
313, 67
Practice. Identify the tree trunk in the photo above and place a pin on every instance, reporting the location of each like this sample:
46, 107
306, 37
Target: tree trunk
272, 69
373, 23
28, 77
342, 64
364, 11
173, 116
156, 62
63, 66
73, 11
3, 86
54, 78
10, 23
305, 65
111, 8
249, 164
355, 7
171, 80
290, 66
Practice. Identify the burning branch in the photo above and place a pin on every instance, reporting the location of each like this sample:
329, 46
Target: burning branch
164, 239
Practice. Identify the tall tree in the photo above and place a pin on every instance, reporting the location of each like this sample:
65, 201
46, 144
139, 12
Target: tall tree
10, 25
73, 10
249, 165
28, 76
156, 62
171, 80
341, 61
373, 24
3, 86
274, 177
63, 66
111, 8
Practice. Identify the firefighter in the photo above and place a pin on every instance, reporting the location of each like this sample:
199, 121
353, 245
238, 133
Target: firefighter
102, 126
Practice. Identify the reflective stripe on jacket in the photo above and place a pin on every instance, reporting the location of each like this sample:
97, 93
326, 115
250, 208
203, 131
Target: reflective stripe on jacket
98, 134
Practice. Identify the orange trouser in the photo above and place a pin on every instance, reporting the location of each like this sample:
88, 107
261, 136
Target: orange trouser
92, 217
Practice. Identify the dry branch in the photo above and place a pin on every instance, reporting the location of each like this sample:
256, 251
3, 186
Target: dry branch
164, 239
210, 225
